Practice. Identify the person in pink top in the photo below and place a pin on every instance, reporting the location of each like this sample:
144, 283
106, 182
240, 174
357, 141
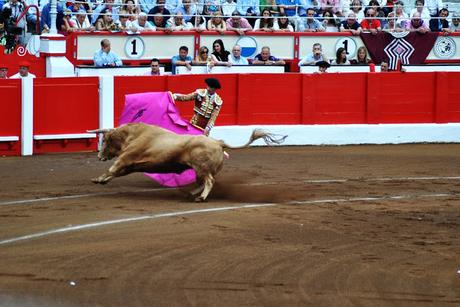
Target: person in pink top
238, 24
417, 24
370, 23
155, 68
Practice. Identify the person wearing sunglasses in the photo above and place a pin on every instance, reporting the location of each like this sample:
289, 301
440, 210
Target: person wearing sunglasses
370, 23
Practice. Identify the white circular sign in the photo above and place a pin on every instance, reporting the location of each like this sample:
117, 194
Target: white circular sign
445, 47
134, 47
349, 44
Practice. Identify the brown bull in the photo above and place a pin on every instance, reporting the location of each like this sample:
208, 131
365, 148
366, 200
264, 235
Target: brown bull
151, 149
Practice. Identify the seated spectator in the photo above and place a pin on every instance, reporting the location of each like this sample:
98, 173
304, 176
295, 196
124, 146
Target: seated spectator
282, 24
238, 24
266, 22
332, 5
159, 9
417, 25
329, 22
105, 22
132, 10
107, 6
455, 25
154, 68
219, 54
384, 67
270, 5
197, 23
288, 7
187, 10
68, 26
105, 57
401, 16
203, 57
23, 71
350, 25
141, 24
310, 24
357, 8
124, 24
217, 23
159, 22
361, 57
424, 12
314, 57
176, 23
211, 6
341, 57
82, 23
76, 7
322, 67
183, 59
440, 24
265, 58
379, 14
3, 71
392, 25
371, 24
228, 7
235, 58
249, 9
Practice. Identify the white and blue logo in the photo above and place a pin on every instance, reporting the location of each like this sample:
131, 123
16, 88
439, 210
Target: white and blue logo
248, 46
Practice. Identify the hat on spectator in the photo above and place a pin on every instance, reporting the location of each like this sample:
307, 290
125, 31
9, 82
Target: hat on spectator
24, 64
67, 12
323, 64
213, 82
3, 66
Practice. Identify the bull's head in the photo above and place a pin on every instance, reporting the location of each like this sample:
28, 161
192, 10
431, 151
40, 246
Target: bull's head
110, 144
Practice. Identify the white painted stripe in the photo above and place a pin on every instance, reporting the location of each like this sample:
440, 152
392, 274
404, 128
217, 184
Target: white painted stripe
27, 116
206, 210
126, 220
9, 138
65, 136
35, 200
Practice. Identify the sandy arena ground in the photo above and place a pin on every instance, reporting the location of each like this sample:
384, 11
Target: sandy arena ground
285, 226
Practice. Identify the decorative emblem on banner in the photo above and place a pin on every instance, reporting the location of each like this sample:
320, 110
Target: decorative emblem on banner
399, 48
248, 46
134, 47
445, 47
349, 44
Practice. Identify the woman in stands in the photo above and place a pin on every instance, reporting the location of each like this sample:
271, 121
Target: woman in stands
329, 22
379, 13
265, 23
219, 55
197, 23
341, 57
357, 8
217, 23
203, 56
283, 24
132, 9
361, 57
105, 22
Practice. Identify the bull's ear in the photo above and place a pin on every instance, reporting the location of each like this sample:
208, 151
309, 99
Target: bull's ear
99, 131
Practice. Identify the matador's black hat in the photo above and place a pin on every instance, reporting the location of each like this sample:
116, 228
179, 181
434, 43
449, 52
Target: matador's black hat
323, 64
213, 82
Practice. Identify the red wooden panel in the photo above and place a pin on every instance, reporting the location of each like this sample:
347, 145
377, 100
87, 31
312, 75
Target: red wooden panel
402, 97
334, 98
65, 106
269, 99
134, 84
10, 115
452, 96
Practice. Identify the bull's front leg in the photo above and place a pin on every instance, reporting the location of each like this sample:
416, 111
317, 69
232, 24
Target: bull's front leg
116, 170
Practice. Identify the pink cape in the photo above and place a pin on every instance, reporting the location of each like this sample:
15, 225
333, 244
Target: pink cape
158, 108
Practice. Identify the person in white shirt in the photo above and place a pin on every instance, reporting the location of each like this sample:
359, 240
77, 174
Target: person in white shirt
228, 7
141, 23
23, 71
235, 58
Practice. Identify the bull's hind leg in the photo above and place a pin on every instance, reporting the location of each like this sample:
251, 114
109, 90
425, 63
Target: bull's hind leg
208, 184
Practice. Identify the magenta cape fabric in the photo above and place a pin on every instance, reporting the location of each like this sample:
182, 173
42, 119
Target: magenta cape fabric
158, 108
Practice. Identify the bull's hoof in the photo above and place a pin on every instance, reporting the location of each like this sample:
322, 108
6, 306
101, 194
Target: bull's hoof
97, 180
199, 199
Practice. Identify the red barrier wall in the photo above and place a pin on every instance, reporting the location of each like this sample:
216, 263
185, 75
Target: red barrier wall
10, 115
65, 106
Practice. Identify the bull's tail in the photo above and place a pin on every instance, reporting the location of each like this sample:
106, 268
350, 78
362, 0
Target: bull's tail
269, 139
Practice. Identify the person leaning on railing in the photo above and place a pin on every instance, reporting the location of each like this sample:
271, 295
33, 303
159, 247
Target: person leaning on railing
197, 23
455, 24
219, 54
82, 23
371, 23
392, 25
310, 24
351, 25
417, 24
238, 24
266, 22
440, 24
283, 24
265, 58
177, 23
217, 23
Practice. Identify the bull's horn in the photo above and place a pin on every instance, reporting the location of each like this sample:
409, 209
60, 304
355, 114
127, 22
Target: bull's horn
99, 131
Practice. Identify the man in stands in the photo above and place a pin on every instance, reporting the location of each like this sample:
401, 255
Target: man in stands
154, 68
265, 58
249, 9
160, 22
455, 25
314, 57
370, 23
82, 23
183, 59
384, 67
3, 71
105, 57
417, 24
238, 24
310, 24
159, 8
23, 71
235, 58
440, 24
350, 25
141, 23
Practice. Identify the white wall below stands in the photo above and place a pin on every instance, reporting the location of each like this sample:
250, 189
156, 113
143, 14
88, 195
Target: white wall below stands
59, 66
365, 68
345, 134
87, 71
254, 69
